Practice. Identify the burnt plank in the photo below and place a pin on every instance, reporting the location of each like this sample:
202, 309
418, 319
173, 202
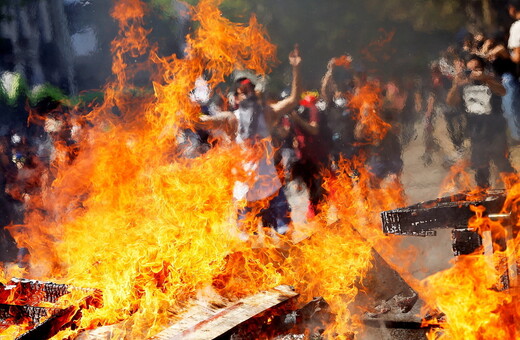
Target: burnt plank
447, 212
465, 242
61, 319
14, 314
209, 323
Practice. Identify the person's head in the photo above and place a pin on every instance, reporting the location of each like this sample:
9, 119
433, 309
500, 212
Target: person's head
514, 8
475, 64
245, 89
478, 40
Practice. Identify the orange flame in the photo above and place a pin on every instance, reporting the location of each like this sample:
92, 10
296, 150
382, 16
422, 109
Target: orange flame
153, 230
344, 61
366, 103
478, 294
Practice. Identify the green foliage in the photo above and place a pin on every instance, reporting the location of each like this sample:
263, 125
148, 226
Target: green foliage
46, 91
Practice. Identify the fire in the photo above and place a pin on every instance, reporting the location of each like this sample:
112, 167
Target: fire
458, 179
367, 104
474, 309
333, 264
153, 230
380, 49
344, 61
478, 294
128, 216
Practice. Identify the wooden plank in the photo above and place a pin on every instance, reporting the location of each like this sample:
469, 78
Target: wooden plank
205, 322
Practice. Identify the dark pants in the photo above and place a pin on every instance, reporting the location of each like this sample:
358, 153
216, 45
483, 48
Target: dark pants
309, 173
456, 124
487, 134
274, 212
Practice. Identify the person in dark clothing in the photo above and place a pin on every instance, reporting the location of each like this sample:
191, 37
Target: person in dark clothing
384, 156
337, 86
311, 150
478, 94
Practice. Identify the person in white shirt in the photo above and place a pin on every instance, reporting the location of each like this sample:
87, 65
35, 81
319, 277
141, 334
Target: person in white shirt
513, 43
249, 125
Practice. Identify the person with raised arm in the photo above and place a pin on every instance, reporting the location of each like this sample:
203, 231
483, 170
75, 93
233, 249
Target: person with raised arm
249, 125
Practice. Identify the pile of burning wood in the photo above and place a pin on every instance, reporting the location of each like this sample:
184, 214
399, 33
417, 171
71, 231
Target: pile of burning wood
277, 313
34, 307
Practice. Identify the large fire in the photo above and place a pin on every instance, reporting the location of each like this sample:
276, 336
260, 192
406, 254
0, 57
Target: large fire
153, 230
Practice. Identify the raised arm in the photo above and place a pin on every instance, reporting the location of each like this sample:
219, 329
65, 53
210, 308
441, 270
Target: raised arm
494, 84
326, 90
454, 97
225, 121
286, 105
515, 55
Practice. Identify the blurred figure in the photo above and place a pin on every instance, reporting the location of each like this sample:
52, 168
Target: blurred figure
249, 125
495, 51
478, 94
338, 85
410, 114
283, 140
384, 155
8, 205
436, 105
312, 149
513, 43
193, 143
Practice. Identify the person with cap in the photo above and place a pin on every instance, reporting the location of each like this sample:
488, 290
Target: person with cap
249, 125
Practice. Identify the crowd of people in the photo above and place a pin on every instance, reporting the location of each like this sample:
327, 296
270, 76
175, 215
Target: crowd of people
473, 85
297, 136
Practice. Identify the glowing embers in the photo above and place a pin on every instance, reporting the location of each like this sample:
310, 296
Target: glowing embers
32, 309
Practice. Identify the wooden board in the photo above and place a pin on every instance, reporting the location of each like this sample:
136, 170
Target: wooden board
205, 322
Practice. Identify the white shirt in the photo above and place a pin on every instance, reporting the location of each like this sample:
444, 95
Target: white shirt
477, 99
264, 181
514, 35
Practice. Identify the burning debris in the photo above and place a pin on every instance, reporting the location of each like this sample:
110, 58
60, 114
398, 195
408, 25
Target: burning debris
483, 242
39, 310
153, 231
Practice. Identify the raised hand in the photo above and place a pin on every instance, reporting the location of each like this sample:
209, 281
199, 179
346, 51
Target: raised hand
294, 56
